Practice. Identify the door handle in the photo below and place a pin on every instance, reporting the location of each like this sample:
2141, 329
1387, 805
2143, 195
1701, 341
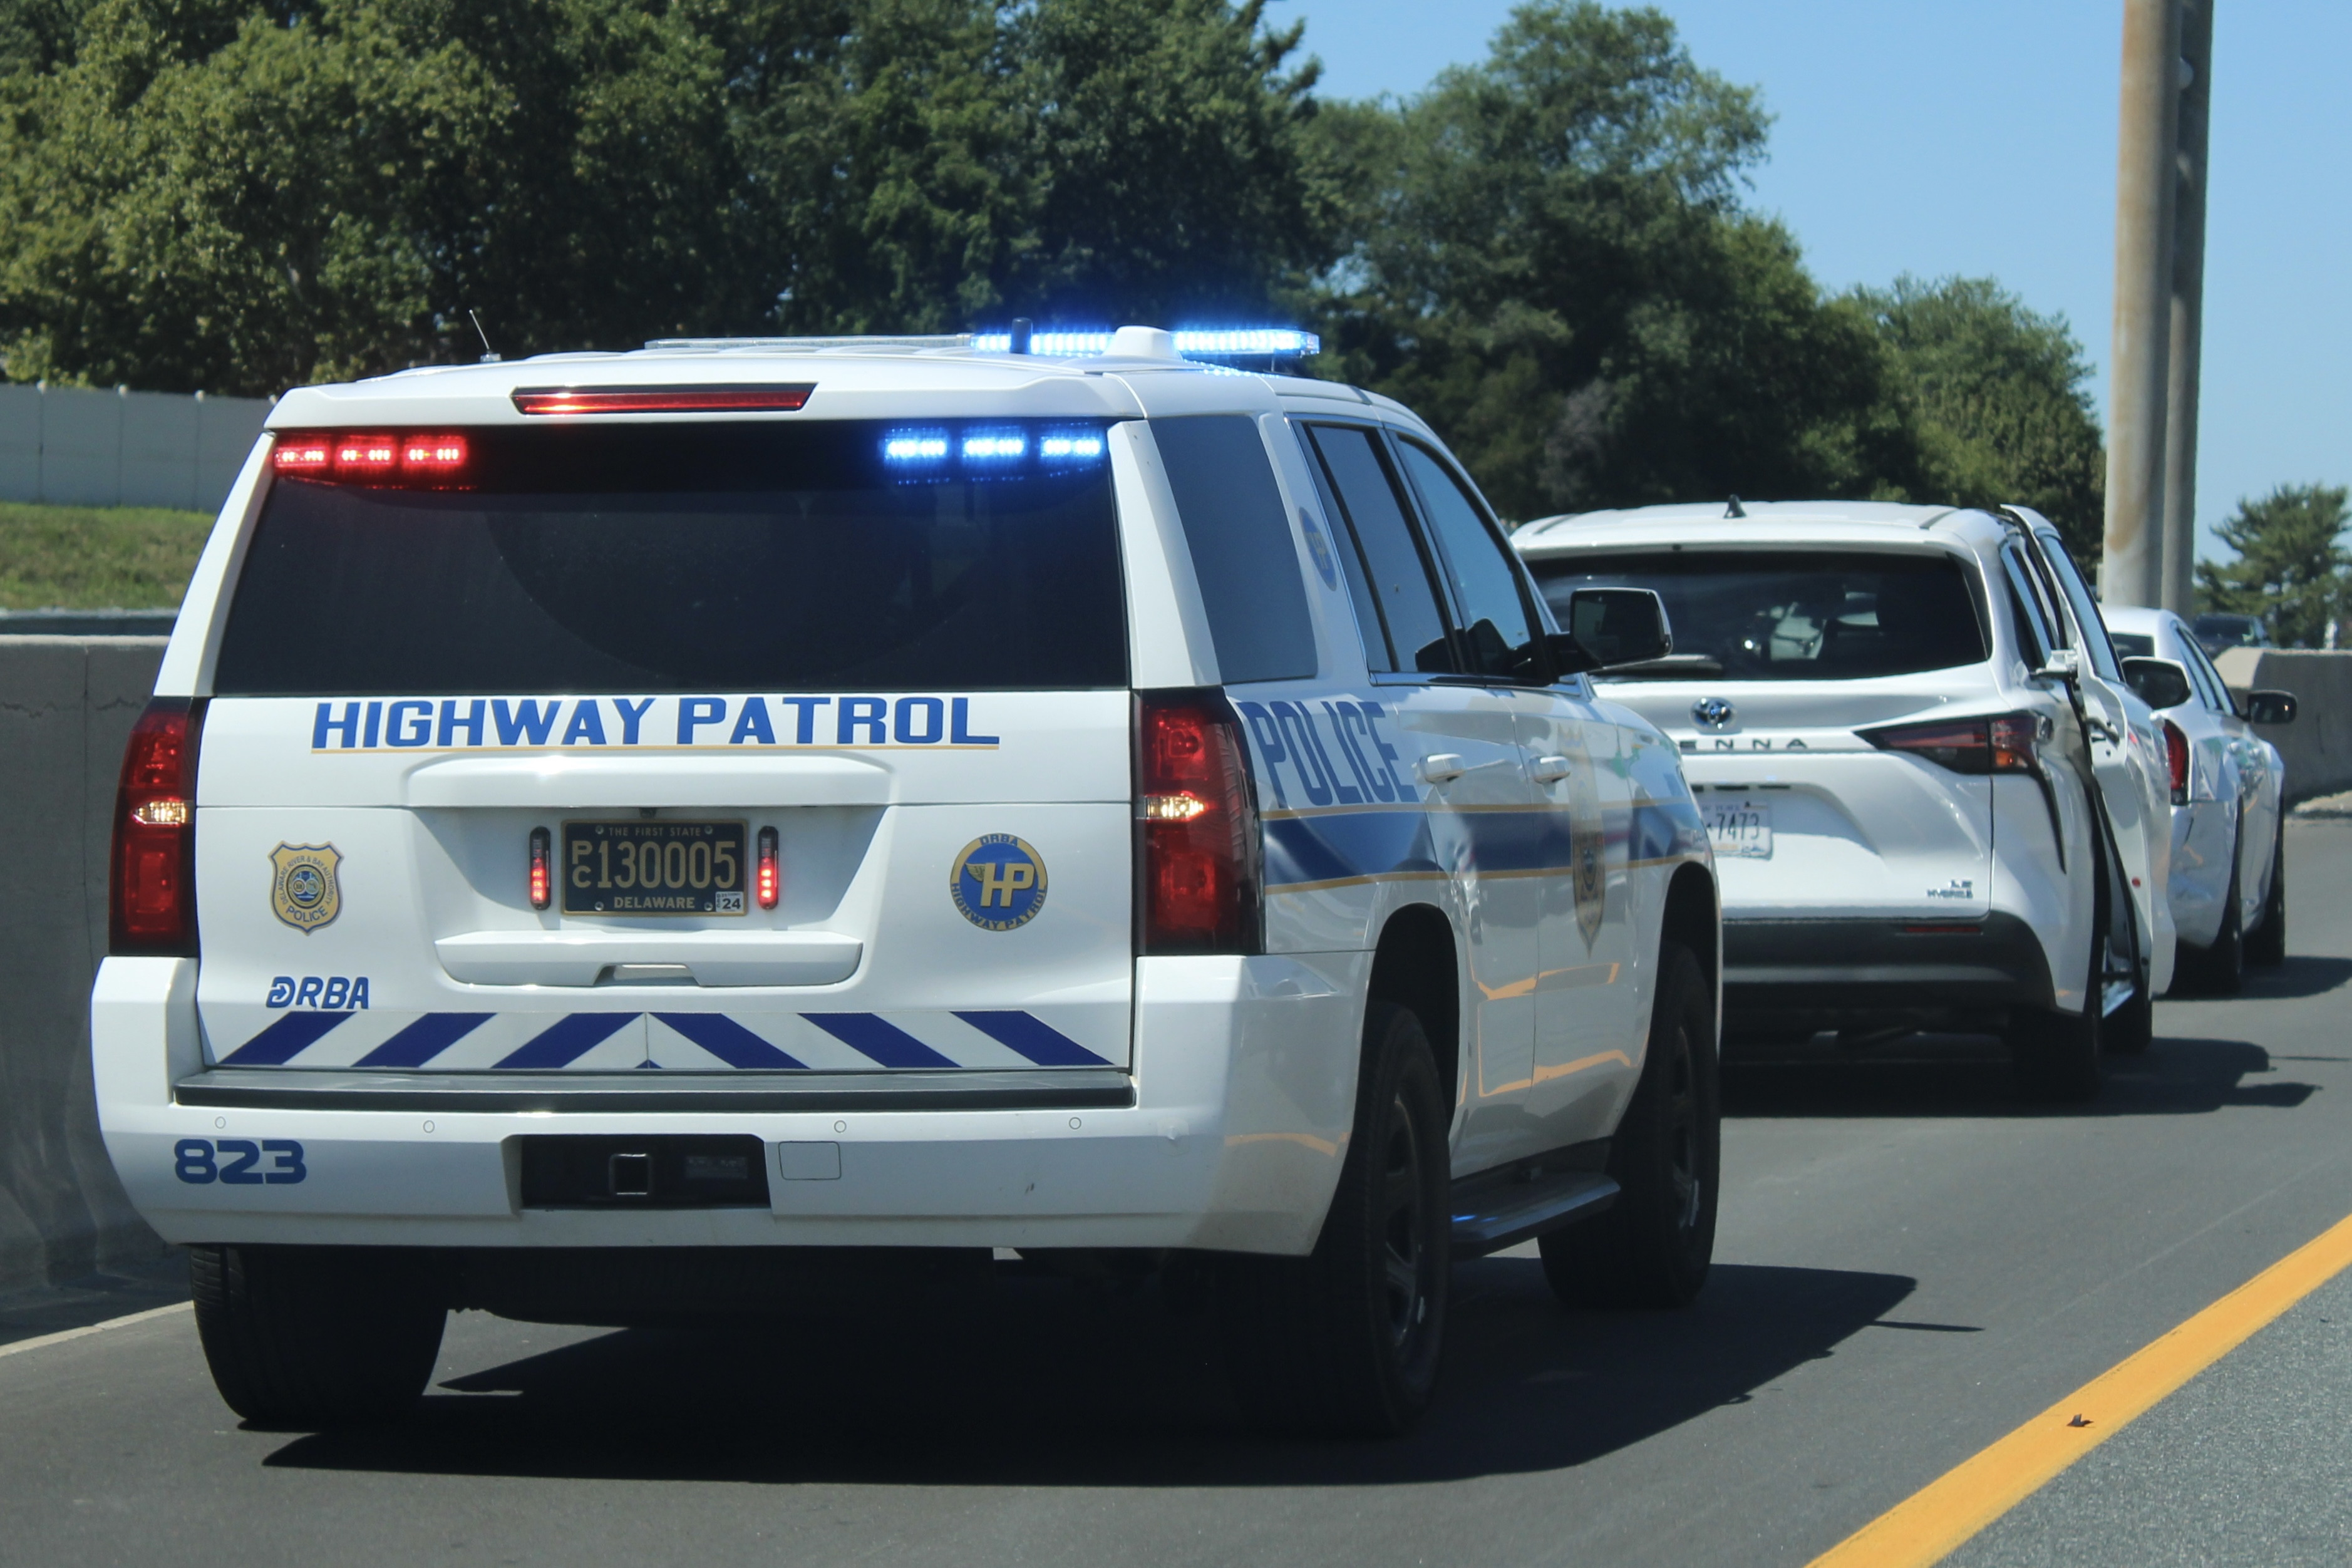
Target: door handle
1552, 769
1441, 767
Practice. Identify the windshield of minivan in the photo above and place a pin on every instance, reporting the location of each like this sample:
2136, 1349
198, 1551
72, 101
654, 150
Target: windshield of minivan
1787, 614
649, 558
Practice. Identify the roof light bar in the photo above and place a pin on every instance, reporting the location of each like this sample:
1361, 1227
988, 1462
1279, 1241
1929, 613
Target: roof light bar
1241, 343
415, 457
755, 399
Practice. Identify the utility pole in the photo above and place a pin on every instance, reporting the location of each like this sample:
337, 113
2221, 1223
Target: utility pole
2147, 180
2183, 352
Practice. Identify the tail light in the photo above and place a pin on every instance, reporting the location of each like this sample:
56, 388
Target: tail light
1196, 826
153, 903
2001, 744
540, 892
2176, 754
768, 875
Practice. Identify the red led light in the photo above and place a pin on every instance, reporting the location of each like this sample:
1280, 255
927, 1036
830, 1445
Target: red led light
365, 454
433, 454
539, 888
768, 880
303, 455
770, 399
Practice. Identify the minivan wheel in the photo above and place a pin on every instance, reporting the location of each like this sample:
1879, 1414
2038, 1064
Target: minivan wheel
2057, 1055
2266, 944
2218, 970
1652, 1247
316, 1336
1346, 1341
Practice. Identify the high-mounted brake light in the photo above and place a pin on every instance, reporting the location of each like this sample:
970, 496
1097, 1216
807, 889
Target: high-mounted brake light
2176, 756
2003, 744
768, 874
1196, 826
153, 907
767, 399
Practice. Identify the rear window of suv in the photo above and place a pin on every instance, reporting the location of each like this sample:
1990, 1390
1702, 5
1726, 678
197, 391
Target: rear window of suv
1789, 615
746, 556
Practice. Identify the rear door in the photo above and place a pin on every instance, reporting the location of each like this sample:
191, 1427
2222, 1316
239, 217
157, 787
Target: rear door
889, 664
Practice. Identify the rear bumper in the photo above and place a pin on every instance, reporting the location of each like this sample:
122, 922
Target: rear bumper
1830, 967
1227, 1134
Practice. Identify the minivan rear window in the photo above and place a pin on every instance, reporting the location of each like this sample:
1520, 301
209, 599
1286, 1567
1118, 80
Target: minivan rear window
1789, 615
653, 558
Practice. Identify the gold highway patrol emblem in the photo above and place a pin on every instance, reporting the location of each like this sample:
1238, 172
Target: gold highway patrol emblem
998, 882
304, 892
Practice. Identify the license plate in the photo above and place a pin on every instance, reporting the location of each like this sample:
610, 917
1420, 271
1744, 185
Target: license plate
1738, 830
654, 867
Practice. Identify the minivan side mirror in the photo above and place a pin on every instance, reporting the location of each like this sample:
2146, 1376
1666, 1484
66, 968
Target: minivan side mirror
1609, 628
2268, 707
2160, 683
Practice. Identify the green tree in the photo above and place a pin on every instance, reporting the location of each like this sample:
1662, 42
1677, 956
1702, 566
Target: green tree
1552, 264
2290, 567
2001, 400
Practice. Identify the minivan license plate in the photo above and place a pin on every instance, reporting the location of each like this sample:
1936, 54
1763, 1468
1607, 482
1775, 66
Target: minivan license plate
654, 867
1738, 830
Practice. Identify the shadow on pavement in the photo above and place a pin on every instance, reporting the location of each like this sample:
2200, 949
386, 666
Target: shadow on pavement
1051, 1384
2303, 974
38, 1309
1969, 1075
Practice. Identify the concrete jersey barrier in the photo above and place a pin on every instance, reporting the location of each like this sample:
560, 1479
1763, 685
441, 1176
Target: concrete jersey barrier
2318, 745
66, 705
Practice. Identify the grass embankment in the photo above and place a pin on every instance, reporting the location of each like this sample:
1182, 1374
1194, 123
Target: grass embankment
97, 557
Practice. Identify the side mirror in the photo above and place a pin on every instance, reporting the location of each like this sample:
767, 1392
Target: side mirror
2159, 682
2270, 707
1609, 627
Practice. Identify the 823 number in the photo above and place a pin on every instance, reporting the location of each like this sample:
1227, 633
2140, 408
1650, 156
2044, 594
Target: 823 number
236, 1161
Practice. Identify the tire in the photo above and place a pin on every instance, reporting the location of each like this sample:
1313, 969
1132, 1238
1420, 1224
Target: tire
2218, 970
2266, 944
2057, 1056
1346, 1341
316, 1336
1652, 1247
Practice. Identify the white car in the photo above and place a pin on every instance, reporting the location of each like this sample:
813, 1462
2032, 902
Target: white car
624, 835
2229, 864
1934, 801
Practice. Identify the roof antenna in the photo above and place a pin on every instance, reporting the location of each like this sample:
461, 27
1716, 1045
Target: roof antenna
1735, 509
489, 354
1018, 342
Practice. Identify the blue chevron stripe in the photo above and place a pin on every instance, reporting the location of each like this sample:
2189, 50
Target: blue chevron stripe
422, 1041
728, 1040
1042, 1044
567, 1041
883, 1041
283, 1040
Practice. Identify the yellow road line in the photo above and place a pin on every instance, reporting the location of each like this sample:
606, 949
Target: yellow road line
1933, 1522
43, 1340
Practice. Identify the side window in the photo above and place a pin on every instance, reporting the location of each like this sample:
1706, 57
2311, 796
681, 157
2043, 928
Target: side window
1393, 565
2211, 688
1378, 655
2032, 615
2101, 652
1497, 630
1242, 555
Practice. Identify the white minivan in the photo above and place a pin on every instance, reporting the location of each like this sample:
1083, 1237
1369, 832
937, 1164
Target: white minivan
1934, 801
623, 835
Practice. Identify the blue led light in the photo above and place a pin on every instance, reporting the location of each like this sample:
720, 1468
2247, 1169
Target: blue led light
994, 445
1070, 446
1238, 343
915, 447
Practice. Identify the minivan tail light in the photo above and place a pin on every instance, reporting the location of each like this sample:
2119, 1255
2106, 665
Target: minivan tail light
152, 903
2001, 743
1196, 826
2176, 756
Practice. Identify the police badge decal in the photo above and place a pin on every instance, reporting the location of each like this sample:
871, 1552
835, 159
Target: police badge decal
304, 891
998, 882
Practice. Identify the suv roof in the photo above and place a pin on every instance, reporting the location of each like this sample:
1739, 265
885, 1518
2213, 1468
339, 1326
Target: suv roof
1761, 522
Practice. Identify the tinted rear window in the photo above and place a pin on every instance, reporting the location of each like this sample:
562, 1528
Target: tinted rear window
694, 557
1240, 541
1790, 615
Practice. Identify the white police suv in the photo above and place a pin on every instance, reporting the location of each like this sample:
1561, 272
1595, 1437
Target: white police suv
625, 835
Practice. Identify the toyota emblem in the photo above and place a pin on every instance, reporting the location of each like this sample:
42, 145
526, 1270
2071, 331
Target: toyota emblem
1713, 712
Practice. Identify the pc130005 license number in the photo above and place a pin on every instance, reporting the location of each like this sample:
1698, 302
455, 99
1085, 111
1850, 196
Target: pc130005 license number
653, 867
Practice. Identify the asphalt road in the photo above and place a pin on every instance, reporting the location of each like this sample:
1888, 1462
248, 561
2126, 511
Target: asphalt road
1911, 1263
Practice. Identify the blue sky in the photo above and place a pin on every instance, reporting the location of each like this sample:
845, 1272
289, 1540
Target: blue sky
1979, 137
